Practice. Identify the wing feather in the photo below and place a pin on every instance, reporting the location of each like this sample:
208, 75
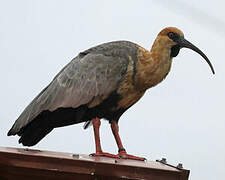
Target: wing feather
87, 79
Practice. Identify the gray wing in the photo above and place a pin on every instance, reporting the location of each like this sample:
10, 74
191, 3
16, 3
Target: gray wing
87, 79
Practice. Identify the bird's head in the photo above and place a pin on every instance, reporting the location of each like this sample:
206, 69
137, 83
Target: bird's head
173, 39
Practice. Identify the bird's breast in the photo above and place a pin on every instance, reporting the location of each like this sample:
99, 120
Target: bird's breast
128, 90
129, 97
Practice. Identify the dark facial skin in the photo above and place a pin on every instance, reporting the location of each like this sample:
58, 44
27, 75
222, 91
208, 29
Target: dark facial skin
175, 51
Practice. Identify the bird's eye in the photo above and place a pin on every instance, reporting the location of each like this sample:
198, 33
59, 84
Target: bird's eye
171, 35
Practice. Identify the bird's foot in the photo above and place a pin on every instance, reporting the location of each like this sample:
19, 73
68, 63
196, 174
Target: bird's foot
123, 155
104, 154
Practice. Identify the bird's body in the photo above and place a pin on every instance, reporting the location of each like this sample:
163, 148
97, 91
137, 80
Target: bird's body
103, 82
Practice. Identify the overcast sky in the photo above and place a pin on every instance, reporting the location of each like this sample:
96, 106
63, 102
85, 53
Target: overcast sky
181, 119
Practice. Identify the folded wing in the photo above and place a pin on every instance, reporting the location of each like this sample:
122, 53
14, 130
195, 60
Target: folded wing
87, 79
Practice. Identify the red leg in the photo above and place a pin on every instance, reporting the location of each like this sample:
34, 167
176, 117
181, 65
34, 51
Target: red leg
96, 125
122, 152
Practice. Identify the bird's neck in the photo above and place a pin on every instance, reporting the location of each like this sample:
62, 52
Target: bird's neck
153, 66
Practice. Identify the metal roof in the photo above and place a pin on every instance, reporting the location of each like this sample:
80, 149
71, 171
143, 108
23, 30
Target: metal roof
18, 163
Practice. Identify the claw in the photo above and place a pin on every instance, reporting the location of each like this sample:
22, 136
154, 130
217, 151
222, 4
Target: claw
124, 155
104, 154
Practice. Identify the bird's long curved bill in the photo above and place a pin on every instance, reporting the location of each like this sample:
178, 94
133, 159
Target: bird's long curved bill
184, 43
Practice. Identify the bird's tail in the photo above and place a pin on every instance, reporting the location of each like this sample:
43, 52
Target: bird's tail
36, 130
46, 121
